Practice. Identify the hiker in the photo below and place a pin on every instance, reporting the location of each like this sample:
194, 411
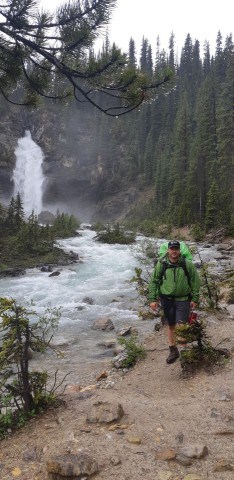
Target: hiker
175, 284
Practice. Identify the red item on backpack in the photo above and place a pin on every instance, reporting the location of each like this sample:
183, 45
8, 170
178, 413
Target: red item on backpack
192, 317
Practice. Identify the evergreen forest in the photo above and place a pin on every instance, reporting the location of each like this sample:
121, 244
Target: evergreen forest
176, 150
180, 146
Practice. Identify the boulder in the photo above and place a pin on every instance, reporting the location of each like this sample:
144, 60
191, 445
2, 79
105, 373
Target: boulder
194, 450
66, 466
54, 274
46, 268
128, 330
12, 272
105, 412
119, 360
103, 324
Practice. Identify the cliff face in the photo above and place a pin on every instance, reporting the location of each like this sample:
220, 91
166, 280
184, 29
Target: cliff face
79, 165
10, 131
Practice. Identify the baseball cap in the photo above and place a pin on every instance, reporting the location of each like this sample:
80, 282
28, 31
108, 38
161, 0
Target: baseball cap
174, 243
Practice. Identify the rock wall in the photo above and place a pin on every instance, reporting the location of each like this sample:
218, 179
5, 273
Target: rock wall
80, 164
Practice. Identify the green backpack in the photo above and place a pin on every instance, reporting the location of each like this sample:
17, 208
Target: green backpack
185, 253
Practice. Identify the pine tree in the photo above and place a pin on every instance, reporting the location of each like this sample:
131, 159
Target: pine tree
163, 184
206, 60
132, 53
219, 59
180, 166
212, 219
33, 229
205, 144
32, 67
18, 211
186, 65
225, 135
10, 219
149, 61
148, 159
144, 55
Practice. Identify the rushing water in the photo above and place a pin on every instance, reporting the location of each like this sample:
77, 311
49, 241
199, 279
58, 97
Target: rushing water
28, 175
103, 274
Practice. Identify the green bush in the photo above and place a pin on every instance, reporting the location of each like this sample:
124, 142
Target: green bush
65, 225
201, 353
134, 351
115, 234
198, 232
23, 393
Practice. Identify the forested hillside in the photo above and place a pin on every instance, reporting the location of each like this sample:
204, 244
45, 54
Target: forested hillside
171, 160
183, 143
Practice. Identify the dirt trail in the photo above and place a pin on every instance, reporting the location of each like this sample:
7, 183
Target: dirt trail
163, 411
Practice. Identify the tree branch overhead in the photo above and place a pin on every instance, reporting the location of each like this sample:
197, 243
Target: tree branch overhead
52, 55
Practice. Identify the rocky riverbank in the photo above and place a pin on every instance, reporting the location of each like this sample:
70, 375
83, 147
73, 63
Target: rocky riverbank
149, 422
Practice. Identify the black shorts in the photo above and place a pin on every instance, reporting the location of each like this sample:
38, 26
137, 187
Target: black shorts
175, 311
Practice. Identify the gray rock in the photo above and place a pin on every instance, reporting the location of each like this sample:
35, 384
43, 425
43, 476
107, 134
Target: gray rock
115, 460
71, 466
119, 359
103, 324
54, 274
223, 397
46, 268
118, 349
105, 412
12, 272
127, 331
107, 344
30, 455
183, 460
196, 450
134, 331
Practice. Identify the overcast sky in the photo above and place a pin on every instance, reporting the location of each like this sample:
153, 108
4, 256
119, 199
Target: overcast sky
150, 18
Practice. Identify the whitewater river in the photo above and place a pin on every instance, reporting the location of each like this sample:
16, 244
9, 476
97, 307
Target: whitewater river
103, 275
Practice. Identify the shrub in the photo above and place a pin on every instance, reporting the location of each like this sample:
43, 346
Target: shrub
23, 393
65, 225
201, 353
198, 232
134, 351
115, 234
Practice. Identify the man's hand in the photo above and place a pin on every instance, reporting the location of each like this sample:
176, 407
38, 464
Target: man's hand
154, 305
193, 305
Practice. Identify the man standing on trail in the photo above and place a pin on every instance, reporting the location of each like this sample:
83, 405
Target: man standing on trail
176, 284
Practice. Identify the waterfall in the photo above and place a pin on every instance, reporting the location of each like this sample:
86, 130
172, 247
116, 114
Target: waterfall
28, 175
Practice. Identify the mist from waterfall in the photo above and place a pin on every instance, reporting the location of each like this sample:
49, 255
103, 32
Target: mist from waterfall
28, 174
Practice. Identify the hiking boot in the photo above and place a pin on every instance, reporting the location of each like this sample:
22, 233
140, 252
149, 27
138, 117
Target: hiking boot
173, 355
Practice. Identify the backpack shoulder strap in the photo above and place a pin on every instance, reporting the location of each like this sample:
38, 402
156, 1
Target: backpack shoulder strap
165, 265
184, 266
162, 274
